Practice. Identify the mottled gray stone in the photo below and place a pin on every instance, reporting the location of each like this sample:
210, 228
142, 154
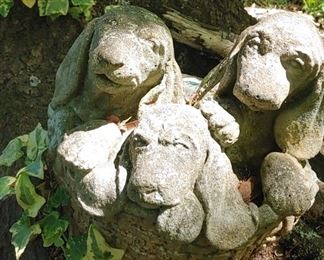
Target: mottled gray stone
85, 164
226, 211
87, 149
277, 50
222, 124
182, 222
169, 173
289, 188
173, 155
299, 130
120, 62
272, 85
168, 151
163, 133
275, 71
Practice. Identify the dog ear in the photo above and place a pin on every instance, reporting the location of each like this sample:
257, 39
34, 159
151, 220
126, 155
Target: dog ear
226, 212
174, 78
182, 222
223, 76
72, 70
299, 129
170, 89
229, 77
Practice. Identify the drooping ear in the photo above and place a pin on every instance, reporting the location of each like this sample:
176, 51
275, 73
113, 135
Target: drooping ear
71, 73
229, 76
172, 82
226, 212
221, 77
299, 129
170, 89
182, 222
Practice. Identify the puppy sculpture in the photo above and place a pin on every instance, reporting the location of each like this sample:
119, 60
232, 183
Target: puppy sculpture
180, 170
120, 61
172, 166
272, 84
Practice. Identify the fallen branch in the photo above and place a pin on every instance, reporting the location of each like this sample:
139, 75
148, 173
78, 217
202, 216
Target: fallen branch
197, 36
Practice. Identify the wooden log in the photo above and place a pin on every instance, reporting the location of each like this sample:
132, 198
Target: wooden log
194, 34
206, 25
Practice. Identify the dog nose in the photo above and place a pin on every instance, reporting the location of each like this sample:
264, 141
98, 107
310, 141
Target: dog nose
145, 196
153, 197
104, 58
115, 65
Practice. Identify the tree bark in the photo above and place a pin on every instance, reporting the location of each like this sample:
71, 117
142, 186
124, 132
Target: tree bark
228, 16
207, 25
193, 34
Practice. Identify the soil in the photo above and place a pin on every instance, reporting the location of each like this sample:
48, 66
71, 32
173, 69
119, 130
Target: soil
31, 49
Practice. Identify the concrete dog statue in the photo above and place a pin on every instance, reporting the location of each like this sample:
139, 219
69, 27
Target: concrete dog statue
121, 60
171, 165
272, 84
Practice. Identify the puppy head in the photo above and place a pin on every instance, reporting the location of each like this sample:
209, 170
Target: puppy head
127, 49
130, 49
276, 59
168, 150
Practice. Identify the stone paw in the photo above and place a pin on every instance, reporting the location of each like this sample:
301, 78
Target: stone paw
288, 187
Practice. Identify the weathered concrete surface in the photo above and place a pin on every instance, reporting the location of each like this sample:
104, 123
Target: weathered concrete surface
169, 177
272, 83
121, 60
172, 176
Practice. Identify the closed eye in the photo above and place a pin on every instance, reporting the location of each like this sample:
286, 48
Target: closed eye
296, 61
254, 42
102, 76
176, 142
139, 141
156, 46
181, 144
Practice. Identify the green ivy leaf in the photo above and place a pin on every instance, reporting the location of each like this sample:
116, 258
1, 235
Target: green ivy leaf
35, 168
84, 10
97, 247
59, 198
82, 7
53, 228
27, 197
76, 248
29, 3
83, 2
49, 7
37, 142
110, 7
5, 6
13, 151
6, 186
75, 12
21, 233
